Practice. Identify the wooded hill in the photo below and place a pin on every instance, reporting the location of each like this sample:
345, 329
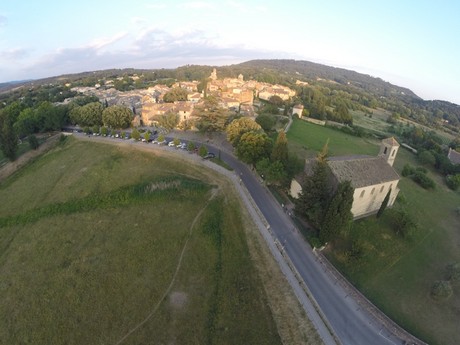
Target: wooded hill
329, 85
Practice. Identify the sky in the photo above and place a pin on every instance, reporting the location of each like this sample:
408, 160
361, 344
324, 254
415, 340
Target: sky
410, 43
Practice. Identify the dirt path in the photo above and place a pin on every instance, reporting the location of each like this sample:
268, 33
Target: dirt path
173, 279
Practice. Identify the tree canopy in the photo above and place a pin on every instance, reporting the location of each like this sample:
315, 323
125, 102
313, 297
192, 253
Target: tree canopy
176, 94
253, 146
88, 115
338, 214
240, 126
117, 116
280, 149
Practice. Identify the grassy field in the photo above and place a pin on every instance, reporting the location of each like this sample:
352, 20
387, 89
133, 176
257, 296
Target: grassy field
108, 245
306, 139
395, 273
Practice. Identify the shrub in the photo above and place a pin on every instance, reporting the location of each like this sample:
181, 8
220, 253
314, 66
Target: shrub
453, 181
407, 170
423, 180
62, 138
421, 169
453, 272
191, 146
135, 134
202, 151
441, 289
33, 142
427, 158
402, 223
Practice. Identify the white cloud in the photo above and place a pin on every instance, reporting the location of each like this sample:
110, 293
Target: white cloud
14, 54
102, 42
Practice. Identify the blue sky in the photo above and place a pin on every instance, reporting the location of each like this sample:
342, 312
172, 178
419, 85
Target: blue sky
410, 43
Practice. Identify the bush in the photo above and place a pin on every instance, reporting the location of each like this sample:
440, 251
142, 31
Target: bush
423, 180
402, 223
202, 151
33, 142
427, 158
407, 170
421, 169
62, 138
453, 272
453, 181
441, 289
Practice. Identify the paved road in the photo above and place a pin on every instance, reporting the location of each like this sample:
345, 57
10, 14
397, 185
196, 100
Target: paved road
350, 324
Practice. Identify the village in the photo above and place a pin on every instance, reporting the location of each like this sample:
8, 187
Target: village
234, 94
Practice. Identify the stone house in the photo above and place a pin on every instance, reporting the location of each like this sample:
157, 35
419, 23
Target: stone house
453, 156
371, 178
297, 110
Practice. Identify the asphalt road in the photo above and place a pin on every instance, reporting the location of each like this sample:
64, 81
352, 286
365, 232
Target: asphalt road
351, 324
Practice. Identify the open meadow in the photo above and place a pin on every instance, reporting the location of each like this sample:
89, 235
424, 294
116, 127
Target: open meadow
397, 273
101, 244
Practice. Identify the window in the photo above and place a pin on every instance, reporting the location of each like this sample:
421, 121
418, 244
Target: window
381, 189
393, 153
373, 190
362, 193
385, 151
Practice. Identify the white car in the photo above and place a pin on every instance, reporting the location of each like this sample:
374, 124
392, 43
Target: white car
171, 143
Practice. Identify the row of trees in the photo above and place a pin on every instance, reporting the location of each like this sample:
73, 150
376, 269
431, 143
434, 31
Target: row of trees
94, 114
253, 146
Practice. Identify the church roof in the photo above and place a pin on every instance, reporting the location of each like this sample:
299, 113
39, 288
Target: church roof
362, 171
390, 141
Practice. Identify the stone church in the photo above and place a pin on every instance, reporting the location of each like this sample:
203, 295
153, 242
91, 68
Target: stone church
371, 178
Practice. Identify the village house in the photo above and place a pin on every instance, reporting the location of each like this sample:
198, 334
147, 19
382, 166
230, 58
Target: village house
371, 177
453, 156
151, 110
297, 110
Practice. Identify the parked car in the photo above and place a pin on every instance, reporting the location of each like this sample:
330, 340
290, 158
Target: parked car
171, 144
209, 155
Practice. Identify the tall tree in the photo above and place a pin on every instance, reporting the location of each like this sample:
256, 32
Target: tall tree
315, 194
117, 116
88, 115
338, 215
316, 190
8, 136
238, 127
384, 204
280, 149
253, 146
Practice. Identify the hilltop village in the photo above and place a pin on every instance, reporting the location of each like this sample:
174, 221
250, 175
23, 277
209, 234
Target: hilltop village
234, 94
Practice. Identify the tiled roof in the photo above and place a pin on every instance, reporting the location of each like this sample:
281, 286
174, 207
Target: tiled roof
390, 141
362, 171
454, 156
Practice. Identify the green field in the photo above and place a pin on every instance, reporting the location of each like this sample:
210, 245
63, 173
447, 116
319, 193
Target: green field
395, 273
102, 244
307, 139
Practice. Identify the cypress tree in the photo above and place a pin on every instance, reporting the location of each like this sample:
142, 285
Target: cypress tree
384, 204
338, 215
280, 150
